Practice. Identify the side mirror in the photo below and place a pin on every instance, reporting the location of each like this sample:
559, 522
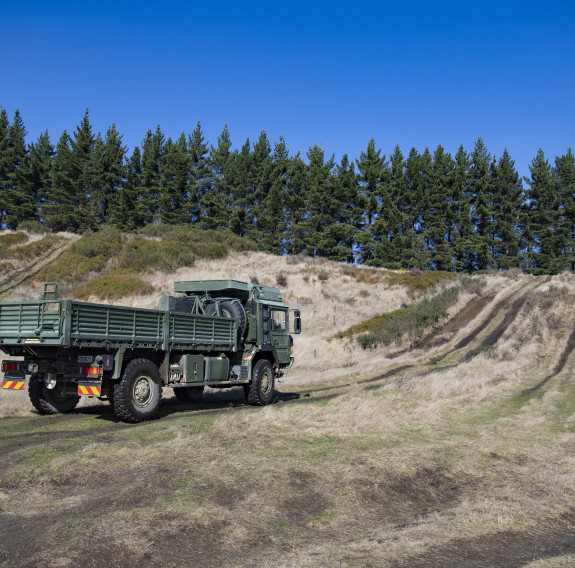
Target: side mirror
296, 322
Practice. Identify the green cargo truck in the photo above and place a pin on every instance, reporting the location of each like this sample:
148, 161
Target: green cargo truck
216, 333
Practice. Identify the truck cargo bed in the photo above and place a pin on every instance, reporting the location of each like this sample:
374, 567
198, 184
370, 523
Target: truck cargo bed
70, 323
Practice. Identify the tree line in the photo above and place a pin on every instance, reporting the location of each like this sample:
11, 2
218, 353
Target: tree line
467, 212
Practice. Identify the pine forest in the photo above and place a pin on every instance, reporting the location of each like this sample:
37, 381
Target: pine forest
427, 210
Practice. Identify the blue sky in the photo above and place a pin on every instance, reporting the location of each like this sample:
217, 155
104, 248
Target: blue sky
331, 73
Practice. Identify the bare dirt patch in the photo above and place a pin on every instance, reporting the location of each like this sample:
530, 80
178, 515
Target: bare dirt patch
505, 549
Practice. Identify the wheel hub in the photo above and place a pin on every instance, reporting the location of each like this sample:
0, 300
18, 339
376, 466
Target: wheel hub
266, 383
143, 391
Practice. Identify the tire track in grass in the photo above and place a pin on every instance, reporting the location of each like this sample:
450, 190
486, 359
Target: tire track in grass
168, 413
559, 366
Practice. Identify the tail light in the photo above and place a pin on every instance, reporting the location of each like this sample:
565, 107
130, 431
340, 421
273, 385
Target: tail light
91, 370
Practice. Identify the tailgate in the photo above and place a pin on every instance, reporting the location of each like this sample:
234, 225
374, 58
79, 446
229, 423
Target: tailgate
30, 322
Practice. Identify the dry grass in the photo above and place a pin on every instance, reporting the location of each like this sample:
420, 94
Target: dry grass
440, 460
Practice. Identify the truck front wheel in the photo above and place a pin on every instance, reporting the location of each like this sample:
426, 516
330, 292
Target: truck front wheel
137, 396
261, 390
49, 401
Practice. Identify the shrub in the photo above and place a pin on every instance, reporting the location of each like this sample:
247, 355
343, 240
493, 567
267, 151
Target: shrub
418, 282
106, 244
471, 284
34, 227
205, 243
13, 239
349, 272
70, 267
323, 276
282, 280
367, 340
35, 249
112, 286
141, 255
411, 322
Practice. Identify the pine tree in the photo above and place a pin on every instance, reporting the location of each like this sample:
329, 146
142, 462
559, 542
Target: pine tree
481, 213
295, 204
86, 152
439, 216
200, 177
129, 207
462, 235
216, 201
261, 170
347, 213
4, 161
388, 227
565, 181
506, 206
543, 207
35, 176
414, 203
152, 155
240, 179
61, 210
18, 205
272, 222
372, 173
319, 200
109, 175
175, 182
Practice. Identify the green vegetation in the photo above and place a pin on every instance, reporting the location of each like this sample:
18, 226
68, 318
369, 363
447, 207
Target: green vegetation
427, 210
407, 323
143, 255
70, 267
35, 249
157, 247
12, 239
418, 282
112, 286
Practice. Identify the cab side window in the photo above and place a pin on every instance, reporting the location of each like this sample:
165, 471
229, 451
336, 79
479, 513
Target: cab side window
278, 320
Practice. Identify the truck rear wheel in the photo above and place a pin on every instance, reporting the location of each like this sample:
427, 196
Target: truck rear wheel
261, 390
189, 394
137, 396
49, 401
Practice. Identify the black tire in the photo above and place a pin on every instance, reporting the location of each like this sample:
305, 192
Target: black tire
261, 389
188, 394
137, 396
231, 309
49, 401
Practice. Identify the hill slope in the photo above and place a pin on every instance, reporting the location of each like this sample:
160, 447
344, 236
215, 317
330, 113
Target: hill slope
451, 448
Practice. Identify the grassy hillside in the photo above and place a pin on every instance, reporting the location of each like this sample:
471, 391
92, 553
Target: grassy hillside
450, 445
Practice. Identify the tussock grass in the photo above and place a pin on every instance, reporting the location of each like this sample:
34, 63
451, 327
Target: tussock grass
112, 286
10, 239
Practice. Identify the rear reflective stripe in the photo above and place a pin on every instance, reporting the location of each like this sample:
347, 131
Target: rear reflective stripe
89, 390
13, 385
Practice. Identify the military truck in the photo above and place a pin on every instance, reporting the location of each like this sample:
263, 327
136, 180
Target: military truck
215, 333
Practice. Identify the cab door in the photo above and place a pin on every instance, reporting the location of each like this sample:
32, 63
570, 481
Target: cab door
280, 338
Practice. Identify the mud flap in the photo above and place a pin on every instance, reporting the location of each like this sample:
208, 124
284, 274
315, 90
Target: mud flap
90, 388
